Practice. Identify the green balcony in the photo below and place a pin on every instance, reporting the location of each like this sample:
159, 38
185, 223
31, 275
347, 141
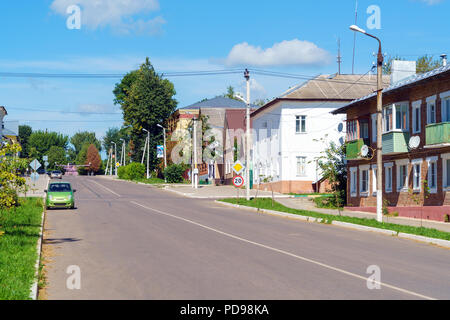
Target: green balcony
437, 133
353, 148
395, 142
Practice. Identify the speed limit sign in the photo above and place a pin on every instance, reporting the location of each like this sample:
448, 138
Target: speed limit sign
238, 181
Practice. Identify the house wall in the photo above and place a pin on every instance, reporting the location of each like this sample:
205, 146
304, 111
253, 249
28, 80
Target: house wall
400, 200
276, 151
2, 115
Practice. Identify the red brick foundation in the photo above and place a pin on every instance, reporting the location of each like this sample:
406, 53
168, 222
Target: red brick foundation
436, 213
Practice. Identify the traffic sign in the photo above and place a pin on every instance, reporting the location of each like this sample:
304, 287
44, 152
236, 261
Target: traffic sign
34, 177
35, 165
238, 181
45, 158
46, 163
238, 167
117, 164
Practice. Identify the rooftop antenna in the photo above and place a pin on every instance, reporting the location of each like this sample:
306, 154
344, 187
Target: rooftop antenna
354, 38
339, 57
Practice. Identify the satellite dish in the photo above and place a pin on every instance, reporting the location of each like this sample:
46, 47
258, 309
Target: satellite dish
414, 142
341, 140
340, 127
364, 150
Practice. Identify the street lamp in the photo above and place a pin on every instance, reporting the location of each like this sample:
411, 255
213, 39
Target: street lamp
123, 154
165, 152
379, 122
115, 157
148, 152
247, 133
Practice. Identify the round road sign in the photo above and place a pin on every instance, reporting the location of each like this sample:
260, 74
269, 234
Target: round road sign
238, 181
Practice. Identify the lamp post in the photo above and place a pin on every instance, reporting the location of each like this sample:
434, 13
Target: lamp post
165, 152
379, 123
115, 158
122, 154
148, 152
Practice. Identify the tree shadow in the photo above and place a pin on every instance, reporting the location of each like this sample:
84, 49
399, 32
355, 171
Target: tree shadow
60, 240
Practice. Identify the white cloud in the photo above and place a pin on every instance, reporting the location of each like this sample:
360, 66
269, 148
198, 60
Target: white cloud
293, 52
431, 2
85, 109
117, 14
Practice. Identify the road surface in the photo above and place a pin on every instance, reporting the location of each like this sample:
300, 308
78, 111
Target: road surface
138, 242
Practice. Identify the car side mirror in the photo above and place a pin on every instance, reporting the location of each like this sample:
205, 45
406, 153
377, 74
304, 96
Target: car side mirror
45, 191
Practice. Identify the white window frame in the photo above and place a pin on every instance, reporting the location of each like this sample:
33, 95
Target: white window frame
431, 101
445, 96
431, 160
414, 164
388, 166
374, 179
416, 105
353, 182
394, 107
361, 169
398, 164
301, 119
297, 166
374, 127
445, 183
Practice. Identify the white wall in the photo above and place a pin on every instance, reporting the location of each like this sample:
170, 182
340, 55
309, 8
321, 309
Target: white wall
279, 154
2, 115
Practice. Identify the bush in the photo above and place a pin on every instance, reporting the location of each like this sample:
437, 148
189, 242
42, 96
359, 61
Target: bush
122, 173
329, 201
174, 173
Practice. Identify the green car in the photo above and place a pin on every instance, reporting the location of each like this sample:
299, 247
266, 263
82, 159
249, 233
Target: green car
60, 195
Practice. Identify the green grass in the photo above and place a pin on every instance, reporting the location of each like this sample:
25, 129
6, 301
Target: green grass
264, 203
18, 252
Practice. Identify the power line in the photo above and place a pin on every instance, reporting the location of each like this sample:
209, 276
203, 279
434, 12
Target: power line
61, 111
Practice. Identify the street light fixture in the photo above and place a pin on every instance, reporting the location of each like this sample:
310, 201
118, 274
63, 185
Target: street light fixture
380, 59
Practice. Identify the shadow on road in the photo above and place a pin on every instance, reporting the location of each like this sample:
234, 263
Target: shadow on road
61, 240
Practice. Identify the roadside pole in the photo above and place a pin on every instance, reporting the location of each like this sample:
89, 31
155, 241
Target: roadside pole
195, 155
148, 154
247, 173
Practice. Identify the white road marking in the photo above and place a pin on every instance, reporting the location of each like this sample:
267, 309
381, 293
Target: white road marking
288, 253
107, 189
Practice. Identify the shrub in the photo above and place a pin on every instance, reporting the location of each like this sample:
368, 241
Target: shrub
122, 173
174, 173
135, 171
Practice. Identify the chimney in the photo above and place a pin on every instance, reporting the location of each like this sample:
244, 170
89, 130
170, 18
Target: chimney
401, 70
444, 59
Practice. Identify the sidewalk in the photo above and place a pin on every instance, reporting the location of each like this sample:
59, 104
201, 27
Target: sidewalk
36, 189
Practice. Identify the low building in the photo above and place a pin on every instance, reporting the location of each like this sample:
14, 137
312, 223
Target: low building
3, 113
291, 131
416, 147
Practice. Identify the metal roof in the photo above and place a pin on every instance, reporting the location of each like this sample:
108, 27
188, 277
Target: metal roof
401, 84
220, 103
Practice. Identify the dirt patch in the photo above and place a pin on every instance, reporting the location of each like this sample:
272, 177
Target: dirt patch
46, 258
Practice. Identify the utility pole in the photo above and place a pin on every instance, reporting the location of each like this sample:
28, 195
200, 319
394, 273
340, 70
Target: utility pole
195, 174
354, 38
148, 153
380, 59
115, 158
247, 173
339, 58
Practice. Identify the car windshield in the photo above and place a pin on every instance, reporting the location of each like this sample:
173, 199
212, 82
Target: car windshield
60, 187
57, 172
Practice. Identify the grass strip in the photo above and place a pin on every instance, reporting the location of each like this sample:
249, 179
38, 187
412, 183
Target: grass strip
265, 203
20, 229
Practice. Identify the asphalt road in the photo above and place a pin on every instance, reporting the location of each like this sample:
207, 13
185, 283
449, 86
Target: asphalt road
138, 242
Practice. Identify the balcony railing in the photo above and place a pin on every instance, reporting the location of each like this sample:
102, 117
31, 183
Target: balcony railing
437, 133
395, 142
353, 149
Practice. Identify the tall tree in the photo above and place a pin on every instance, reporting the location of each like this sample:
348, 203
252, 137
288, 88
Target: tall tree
81, 138
93, 159
115, 135
146, 100
24, 135
56, 156
40, 142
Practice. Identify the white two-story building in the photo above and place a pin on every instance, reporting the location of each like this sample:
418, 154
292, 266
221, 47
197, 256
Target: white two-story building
291, 132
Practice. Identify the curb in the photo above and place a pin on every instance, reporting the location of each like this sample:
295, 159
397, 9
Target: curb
34, 286
439, 242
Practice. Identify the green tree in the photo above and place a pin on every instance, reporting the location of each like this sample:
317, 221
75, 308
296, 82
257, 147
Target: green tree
10, 182
24, 135
56, 155
230, 94
81, 138
146, 100
114, 135
426, 63
40, 143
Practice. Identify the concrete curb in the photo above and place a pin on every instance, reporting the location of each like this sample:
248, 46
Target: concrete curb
34, 286
439, 242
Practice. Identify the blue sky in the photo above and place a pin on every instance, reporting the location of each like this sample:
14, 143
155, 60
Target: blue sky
290, 36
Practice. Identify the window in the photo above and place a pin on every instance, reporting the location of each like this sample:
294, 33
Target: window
300, 124
353, 182
402, 175
388, 176
416, 117
388, 119
417, 174
431, 109
445, 103
364, 180
374, 179
364, 129
301, 166
352, 130
374, 127
396, 117
432, 174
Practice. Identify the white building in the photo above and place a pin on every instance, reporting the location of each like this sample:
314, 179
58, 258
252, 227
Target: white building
292, 131
3, 113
